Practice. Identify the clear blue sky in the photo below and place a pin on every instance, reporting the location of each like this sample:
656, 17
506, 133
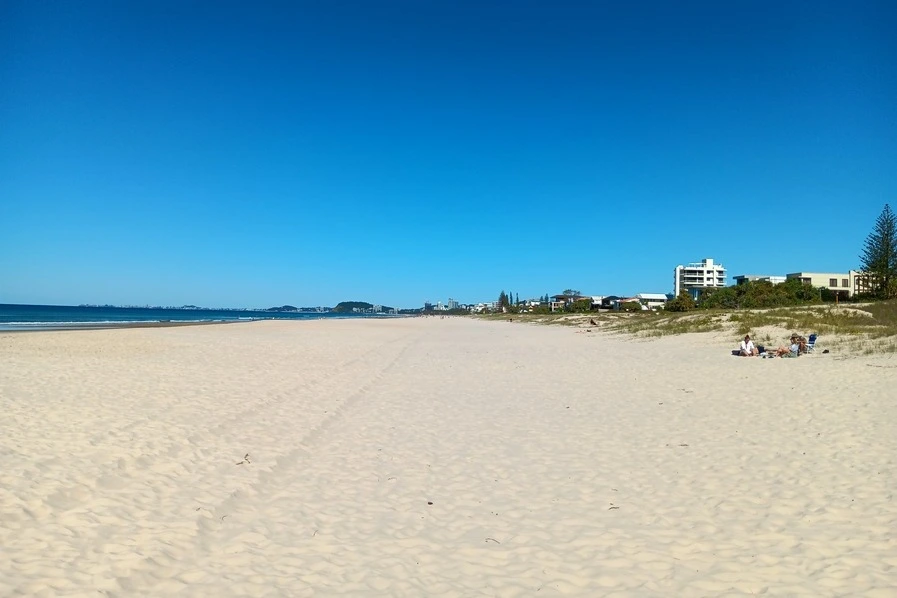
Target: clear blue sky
267, 153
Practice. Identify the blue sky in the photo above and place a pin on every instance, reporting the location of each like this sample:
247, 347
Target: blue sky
396, 152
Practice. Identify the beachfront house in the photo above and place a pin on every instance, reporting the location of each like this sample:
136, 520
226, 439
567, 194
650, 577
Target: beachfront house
617, 303
607, 302
652, 300
839, 283
559, 302
697, 276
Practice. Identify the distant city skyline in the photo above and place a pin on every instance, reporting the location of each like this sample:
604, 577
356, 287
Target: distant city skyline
308, 153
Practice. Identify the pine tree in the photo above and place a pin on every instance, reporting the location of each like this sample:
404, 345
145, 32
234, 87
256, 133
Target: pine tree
879, 257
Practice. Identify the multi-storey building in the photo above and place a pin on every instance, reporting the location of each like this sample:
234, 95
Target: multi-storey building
837, 282
696, 276
843, 285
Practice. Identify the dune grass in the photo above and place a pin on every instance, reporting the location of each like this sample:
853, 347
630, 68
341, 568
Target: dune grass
858, 328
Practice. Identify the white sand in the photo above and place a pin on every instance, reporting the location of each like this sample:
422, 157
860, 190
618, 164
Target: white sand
557, 462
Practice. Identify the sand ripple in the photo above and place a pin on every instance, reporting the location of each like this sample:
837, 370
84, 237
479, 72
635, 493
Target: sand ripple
433, 457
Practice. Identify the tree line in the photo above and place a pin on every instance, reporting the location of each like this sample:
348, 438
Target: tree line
751, 294
878, 262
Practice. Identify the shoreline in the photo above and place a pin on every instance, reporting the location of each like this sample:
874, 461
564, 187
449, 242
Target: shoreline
50, 327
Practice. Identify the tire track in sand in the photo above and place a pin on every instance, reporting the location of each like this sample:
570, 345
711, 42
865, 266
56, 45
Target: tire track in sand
216, 519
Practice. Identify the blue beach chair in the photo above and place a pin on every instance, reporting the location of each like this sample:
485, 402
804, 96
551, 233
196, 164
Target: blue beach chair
811, 342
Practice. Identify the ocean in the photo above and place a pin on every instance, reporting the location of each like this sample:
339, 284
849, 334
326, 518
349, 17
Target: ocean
56, 317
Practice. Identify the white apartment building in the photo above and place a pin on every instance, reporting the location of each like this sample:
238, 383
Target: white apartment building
698, 275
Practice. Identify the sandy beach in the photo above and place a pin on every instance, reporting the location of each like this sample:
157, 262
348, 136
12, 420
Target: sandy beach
440, 457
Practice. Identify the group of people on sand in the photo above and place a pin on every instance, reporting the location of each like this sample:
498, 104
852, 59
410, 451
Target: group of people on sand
797, 346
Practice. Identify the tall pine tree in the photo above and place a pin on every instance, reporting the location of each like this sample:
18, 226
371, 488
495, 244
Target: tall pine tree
879, 256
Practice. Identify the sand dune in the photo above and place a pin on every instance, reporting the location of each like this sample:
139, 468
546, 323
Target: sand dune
439, 457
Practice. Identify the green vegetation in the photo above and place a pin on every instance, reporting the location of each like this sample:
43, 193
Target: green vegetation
684, 302
504, 301
761, 294
864, 328
652, 324
348, 306
752, 295
856, 329
580, 306
876, 320
879, 257
768, 312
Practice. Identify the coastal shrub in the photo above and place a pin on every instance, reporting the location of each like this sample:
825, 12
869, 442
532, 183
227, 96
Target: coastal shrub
581, 305
721, 297
684, 302
856, 329
760, 294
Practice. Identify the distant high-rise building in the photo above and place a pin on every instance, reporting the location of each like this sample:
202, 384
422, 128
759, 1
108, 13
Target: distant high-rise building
452, 304
696, 276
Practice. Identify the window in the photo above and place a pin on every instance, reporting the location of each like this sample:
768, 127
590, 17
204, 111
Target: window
845, 282
832, 282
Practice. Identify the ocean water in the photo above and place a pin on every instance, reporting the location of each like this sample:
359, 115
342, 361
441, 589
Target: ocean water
55, 317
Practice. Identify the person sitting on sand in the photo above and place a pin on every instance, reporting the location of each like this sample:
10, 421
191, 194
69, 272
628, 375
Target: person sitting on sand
801, 343
747, 347
790, 351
